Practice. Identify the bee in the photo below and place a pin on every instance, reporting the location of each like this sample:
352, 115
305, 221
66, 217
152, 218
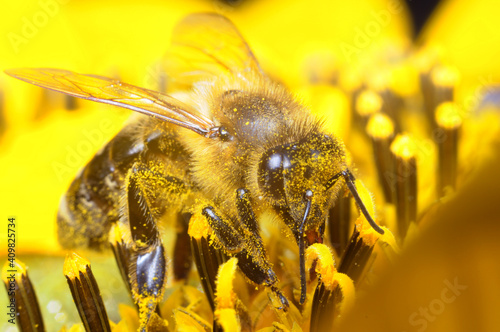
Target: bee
233, 138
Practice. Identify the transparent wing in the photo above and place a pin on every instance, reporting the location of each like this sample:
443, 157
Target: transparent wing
204, 46
110, 91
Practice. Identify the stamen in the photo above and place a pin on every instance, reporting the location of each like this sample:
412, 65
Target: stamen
368, 103
86, 294
339, 221
349, 180
405, 182
334, 294
226, 299
122, 255
444, 79
23, 303
381, 130
356, 256
449, 123
440, 83
381, 83
207, 259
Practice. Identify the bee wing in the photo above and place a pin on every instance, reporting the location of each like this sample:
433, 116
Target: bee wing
110, 91
204, 46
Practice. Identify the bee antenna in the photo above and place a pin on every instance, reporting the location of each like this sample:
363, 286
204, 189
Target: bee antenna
349, 181
302, 262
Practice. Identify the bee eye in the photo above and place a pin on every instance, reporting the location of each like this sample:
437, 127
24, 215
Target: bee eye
224, 135
271, 177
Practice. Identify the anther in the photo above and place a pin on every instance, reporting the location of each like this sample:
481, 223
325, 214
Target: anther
380, 128
22, 298
405, 181
449, 125
86, 293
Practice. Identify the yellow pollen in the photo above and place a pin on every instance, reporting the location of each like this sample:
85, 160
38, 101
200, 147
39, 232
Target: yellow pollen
445, 76
403, 147
325, 266
198, 227
115, 234
74, 264
447, 115
368, 102
380, 126
225, 297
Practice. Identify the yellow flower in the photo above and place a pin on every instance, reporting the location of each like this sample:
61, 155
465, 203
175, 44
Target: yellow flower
414, 118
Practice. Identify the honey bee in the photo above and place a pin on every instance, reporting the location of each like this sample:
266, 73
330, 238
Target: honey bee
234, 138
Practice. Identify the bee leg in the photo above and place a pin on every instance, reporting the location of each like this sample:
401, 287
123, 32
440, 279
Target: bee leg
225, 232
256, 266
252, 259
147, 261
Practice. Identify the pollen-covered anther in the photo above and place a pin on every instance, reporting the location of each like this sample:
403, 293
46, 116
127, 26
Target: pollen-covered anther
86, 294
449, 124
121, 253
380, 129
206, 257
325, 267
23, 304
444, 80
360, 247
225, 298
368, 103
405, 181
335, 292
367, 232
357, 253
198, 226
339, 221
445, 76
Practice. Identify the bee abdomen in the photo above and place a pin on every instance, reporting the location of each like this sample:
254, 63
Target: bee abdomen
83, 222
91, 204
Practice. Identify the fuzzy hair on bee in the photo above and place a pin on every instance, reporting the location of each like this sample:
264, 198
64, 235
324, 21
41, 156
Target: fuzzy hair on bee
255, 114
227, 136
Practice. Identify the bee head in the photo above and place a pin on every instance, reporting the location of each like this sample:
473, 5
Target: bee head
300, 180
294, 177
